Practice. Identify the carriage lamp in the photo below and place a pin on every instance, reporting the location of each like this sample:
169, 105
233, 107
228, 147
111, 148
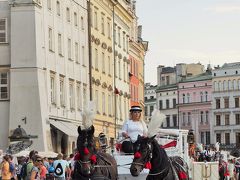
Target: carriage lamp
102, 140
190, 137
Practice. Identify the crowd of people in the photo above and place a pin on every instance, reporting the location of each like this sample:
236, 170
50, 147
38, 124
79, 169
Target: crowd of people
35, 167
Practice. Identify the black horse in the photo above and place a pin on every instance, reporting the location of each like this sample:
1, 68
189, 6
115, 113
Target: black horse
149, 154
90, 164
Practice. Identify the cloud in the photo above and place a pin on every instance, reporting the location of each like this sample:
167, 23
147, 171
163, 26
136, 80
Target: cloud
224, 8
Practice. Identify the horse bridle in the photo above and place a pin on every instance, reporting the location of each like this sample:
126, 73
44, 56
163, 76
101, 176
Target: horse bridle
146, 158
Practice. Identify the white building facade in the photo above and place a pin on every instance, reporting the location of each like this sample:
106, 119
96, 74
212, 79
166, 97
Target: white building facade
226, 104
44, 69
149, 100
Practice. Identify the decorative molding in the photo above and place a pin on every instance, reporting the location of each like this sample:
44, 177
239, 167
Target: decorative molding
116, 53
120, 56
120, 93
93, 80
104, 45
97, 41
98, 82
110, 88
110, 49
124, 59
129, 96
104, 85
125, 94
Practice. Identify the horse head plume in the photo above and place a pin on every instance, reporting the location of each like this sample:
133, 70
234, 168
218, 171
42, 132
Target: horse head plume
199, 147
217, 145
155, 123
88, 114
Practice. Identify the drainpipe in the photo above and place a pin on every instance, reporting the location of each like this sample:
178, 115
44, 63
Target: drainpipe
89, 48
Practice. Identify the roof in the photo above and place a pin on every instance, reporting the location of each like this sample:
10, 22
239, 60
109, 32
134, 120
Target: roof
170, 86
231, 65
201, 77
168, 70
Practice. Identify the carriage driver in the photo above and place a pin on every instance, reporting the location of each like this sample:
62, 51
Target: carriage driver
132, 128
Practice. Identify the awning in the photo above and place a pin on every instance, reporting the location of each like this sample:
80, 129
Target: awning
68, 128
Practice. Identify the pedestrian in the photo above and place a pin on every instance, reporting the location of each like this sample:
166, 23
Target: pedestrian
60, 167
6, 174
35, 171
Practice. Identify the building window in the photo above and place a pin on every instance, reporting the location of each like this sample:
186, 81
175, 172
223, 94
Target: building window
167, 80
4, 86
49, 4
227, 138
174, 120
146, 110
83, 56
3, 30
60, 44
202, 137
103, 103
201, 117
229, 85
71, 94
109, 105
174, 103
226, 102
201, 96
226, 119
69, 49
68, 14
78, 96
237, 118
188, 98
102, 25
76, 52
237, 102
207, 114
84, 95
82, 23
52, 88
189, 118
95, 20
168, 120
218, 120
151, 109
103, 63
184, 119
207, 137
160, 104
119, 36
218, 137
124, 41
206, 96
58, 8
62, 91
109, 29
75, 19
50, 39
218, 105
167, 104
183, 98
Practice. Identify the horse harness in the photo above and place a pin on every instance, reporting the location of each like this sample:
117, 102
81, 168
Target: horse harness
147, 158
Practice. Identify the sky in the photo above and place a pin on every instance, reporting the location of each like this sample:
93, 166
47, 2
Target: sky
189, 31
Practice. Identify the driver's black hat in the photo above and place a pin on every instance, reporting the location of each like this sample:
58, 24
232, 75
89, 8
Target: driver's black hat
136, 108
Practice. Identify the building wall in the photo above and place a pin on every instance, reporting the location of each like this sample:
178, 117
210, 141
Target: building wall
170, 110
195, 108
226, 85
149, 100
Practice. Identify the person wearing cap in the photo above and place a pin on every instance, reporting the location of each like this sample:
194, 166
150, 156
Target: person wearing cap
132, 128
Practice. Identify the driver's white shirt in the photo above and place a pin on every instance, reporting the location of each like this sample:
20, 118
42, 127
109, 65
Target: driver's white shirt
134, 128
